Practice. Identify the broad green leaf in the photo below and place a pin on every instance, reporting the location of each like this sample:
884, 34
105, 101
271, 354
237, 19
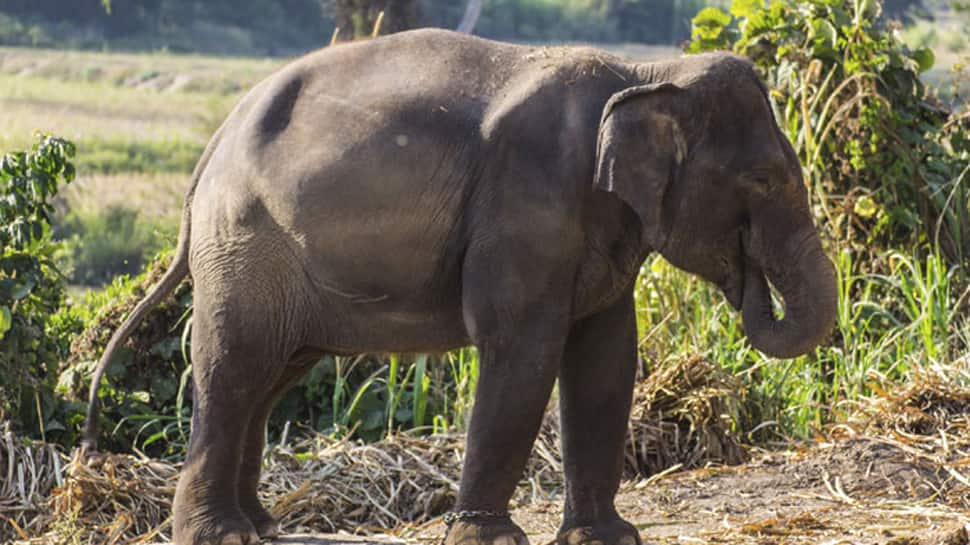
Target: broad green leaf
757, 23
839, 16
6, 320
925, 58
866, 10
865, 207
744, 8
711, 17
141, 396
66, 382
21, 290
823, 30
54, 425
707, 33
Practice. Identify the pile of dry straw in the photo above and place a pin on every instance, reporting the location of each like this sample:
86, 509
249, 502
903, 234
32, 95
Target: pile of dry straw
928, 421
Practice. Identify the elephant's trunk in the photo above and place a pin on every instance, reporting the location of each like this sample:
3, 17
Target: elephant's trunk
807, 284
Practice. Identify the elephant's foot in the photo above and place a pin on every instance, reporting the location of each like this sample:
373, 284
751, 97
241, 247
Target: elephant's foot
266, 525
614, 532
486, 531
213, 527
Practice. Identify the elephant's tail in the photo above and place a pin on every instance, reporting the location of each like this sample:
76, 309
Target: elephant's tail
178, 270
172, 277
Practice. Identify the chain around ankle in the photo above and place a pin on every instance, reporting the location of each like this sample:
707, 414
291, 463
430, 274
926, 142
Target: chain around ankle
452, 517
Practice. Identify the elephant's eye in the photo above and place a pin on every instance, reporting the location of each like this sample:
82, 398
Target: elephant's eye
759, 181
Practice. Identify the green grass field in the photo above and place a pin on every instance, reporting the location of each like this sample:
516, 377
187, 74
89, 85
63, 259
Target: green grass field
127, 113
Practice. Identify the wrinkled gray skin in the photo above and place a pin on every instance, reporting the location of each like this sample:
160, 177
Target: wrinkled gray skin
430, 190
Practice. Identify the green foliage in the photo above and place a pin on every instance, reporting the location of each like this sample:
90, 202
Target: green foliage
109, 242
887, 162
24, 32
31, 288
143, 392
368, 396
108, 156
645, 21
270, 26
358, 18
913, 316
709, 30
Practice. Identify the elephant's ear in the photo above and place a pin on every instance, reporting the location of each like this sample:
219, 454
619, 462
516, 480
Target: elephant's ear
639, 149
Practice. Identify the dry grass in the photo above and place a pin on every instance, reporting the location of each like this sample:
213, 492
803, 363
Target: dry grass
156, 196
29, 472
685, 415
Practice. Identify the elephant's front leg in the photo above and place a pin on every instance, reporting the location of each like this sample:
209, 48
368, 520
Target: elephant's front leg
520, 334
595, 391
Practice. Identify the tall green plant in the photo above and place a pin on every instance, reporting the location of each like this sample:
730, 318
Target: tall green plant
887, 163
31, 288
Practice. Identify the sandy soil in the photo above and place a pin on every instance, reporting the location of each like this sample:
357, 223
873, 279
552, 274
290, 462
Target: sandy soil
859, 491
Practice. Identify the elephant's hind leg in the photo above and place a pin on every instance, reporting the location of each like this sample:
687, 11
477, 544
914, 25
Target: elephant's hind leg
252, 462
595, 391
236, 359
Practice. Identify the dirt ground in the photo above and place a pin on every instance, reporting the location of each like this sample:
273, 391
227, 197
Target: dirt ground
859, 491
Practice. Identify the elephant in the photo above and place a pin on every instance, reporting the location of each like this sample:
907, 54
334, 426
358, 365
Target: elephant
430, 190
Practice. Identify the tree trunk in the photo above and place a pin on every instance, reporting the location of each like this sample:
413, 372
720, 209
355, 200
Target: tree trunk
356, 18
472, 12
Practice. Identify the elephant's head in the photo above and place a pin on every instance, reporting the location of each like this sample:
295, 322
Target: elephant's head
719, 193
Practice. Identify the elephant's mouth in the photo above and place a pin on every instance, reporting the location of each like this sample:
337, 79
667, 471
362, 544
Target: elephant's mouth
732, 285
735, 293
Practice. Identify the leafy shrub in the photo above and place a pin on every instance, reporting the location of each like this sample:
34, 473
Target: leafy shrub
106, 243
31, 288
27, 32
143, 393
886, 161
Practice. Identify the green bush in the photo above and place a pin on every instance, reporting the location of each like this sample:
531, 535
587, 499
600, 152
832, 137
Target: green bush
914, 316
31, 287
886, 161
106, 243
143, 393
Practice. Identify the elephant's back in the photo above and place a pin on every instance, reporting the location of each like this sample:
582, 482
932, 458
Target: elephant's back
440, 69
326, 106
429, 60
374, 145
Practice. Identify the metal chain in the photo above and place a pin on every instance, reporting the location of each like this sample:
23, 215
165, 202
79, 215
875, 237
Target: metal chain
456, 516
